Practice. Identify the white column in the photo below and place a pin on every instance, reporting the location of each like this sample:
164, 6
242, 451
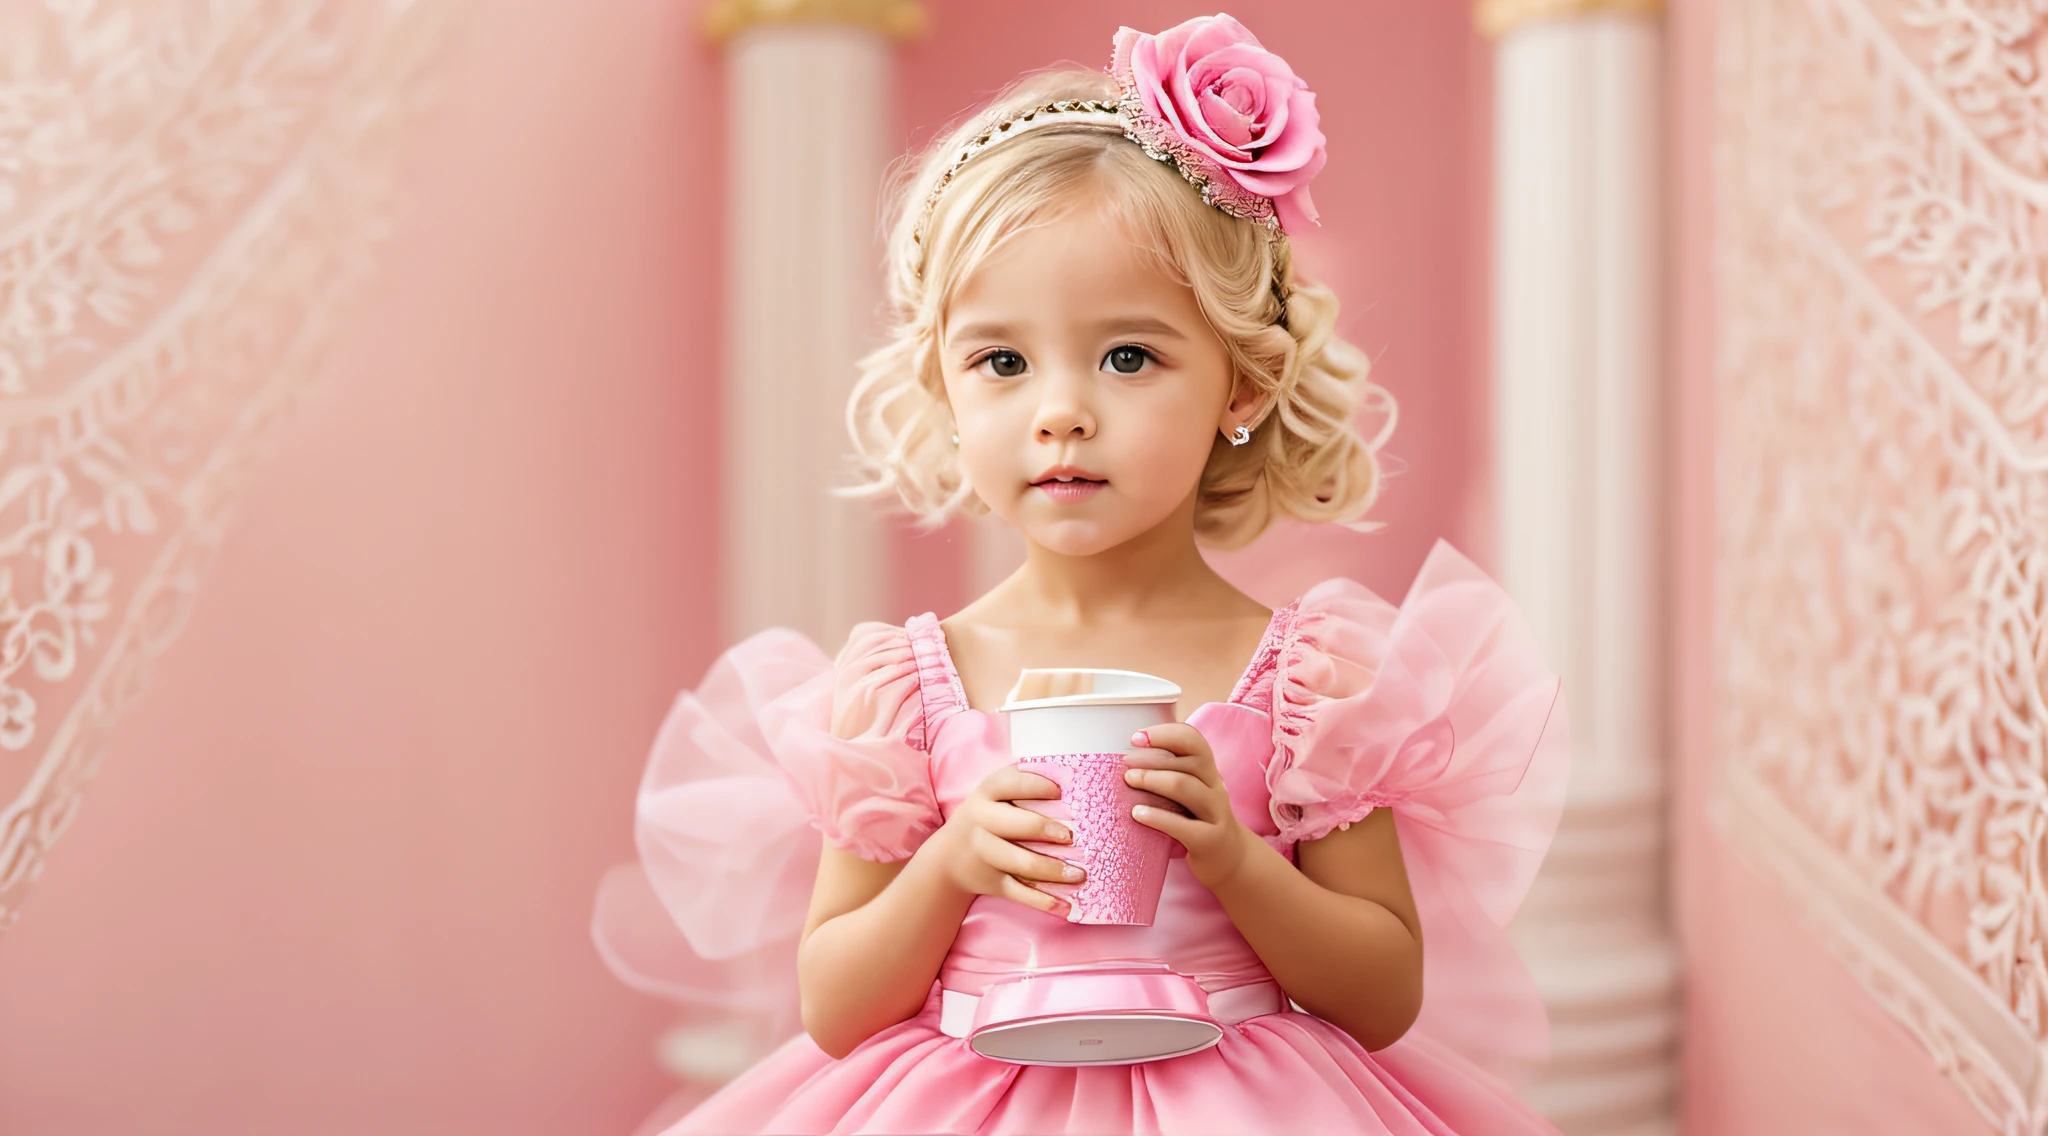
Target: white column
1578, 302
809, 106
808, 114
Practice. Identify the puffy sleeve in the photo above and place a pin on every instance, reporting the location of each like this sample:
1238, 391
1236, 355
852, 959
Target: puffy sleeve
749, 775
864, 779
1444, 712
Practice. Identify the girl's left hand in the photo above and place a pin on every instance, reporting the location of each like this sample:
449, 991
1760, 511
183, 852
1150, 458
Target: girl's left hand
1176, 763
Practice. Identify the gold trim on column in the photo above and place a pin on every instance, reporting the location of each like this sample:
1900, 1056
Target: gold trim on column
896, 19
1496, 18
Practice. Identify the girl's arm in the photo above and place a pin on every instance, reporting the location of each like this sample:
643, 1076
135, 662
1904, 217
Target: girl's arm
906, 913
878, 933
1340, 933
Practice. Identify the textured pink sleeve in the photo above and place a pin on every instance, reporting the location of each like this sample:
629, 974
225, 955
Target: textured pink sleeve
746, 773
860, 765
819, 742
1444, 712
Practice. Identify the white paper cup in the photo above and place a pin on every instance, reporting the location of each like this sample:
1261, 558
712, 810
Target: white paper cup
1078, 739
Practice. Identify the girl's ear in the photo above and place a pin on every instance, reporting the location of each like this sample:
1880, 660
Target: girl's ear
1245, 407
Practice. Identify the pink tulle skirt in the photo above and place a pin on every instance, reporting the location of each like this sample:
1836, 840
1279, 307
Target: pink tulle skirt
1281, 1073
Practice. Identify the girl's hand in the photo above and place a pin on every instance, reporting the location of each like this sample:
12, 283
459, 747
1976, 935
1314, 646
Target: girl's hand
1177, 764
983, 859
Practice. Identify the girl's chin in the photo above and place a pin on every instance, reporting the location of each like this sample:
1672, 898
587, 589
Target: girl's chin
1077, 537
1068, 536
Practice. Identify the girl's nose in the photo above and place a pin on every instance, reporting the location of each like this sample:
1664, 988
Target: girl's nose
1063, 410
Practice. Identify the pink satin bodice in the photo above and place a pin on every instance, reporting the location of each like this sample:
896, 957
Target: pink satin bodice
1190, 933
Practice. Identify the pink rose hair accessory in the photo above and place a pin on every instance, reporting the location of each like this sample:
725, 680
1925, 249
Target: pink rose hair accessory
1204, 96
1230, 115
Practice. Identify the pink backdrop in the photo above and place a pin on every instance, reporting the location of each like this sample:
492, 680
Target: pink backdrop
1779, 1039
335, 874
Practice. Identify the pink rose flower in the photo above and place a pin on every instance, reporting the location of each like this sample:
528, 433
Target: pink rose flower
1216, 101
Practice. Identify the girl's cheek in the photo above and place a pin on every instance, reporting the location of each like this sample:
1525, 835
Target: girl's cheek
1164, 451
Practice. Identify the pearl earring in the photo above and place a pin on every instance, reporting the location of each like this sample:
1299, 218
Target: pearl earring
1241, 435
956, 439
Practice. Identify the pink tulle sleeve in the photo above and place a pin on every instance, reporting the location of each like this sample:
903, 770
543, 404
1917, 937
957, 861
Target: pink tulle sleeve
1444, 712
853, 746
749, 771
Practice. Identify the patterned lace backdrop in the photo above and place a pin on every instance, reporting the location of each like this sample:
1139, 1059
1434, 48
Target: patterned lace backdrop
187, 192
1883, 479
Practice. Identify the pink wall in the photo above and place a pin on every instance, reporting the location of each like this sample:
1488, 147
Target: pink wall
1401, 86
335, 874
1778, 1038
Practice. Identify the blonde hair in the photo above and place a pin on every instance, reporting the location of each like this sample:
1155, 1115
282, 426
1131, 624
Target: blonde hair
1305, 458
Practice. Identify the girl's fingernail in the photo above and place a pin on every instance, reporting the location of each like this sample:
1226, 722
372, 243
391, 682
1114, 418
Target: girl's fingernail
1058, 833
1141, 811
1141, 739
1133, 776
1070, 873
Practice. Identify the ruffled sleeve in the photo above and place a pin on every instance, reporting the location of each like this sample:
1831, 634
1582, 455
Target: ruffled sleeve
1443, 711
748, 776
864, 778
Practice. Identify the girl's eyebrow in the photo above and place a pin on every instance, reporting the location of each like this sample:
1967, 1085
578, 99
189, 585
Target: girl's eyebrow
1137, 325
1128, 325
983, 330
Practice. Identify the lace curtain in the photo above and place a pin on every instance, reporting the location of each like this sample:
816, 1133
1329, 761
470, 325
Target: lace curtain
187, 192
1883, 494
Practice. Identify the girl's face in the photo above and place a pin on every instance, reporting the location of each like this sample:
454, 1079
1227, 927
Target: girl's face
1086, 386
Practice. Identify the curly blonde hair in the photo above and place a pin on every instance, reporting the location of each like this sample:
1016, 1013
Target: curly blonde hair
1305, 458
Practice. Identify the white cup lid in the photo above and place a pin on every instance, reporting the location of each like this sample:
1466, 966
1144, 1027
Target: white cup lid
1089, 687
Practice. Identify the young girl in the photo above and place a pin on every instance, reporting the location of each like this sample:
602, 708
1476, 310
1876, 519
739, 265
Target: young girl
1100, 337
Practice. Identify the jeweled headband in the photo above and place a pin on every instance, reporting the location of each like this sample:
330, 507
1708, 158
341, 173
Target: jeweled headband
1205, 97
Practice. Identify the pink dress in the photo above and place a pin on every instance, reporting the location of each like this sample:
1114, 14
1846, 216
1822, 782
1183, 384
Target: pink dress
1441, 710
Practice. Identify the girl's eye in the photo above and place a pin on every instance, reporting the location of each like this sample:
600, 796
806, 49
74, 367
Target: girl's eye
1004, 364
1127, 360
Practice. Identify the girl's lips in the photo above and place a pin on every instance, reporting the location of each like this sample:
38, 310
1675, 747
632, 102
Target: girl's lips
1069, 491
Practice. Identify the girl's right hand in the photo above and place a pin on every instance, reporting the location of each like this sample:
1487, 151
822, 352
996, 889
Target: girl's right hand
987, 861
